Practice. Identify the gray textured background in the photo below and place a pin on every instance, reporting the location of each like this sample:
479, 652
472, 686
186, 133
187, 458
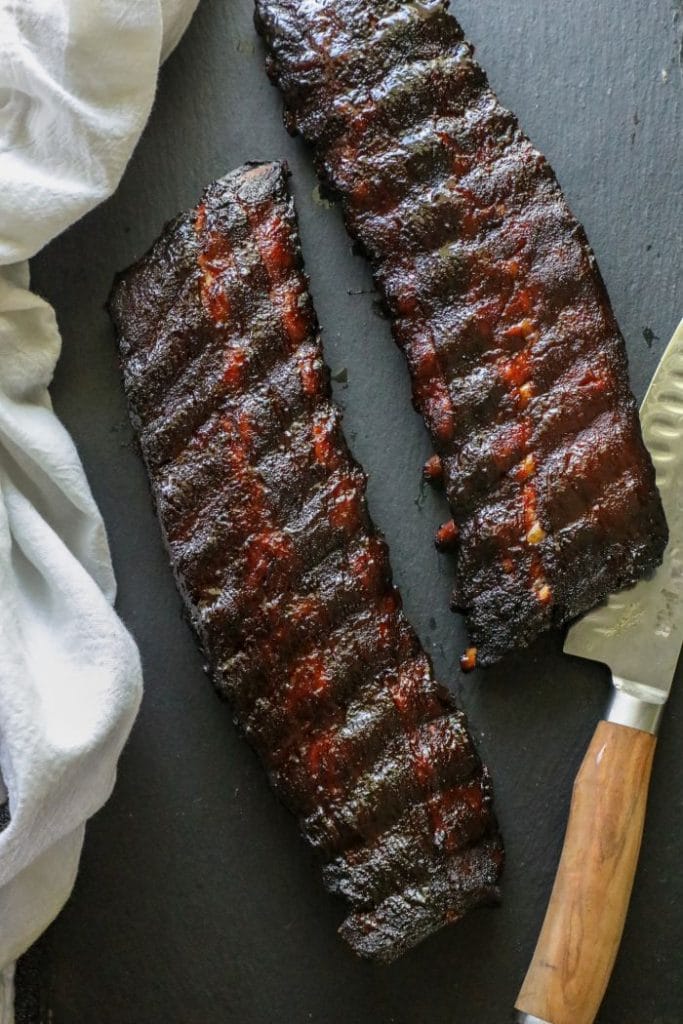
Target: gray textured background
197, 902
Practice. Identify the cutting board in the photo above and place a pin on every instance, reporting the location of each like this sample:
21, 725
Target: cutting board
197, 902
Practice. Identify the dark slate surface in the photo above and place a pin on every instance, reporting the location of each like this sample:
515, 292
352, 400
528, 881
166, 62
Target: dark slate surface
197, 902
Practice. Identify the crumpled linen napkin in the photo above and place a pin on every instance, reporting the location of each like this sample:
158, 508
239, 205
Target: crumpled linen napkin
77, 82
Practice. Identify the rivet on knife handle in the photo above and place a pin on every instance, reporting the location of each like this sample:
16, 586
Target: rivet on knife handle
585, 918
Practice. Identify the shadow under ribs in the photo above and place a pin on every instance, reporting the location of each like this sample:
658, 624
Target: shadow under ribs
517, 363
287, 582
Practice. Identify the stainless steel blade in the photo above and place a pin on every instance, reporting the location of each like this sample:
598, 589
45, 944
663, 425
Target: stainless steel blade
639, 631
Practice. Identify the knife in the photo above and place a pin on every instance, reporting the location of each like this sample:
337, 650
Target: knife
638, 634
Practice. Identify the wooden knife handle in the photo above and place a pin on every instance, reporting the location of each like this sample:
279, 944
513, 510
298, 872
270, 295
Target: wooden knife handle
585, 918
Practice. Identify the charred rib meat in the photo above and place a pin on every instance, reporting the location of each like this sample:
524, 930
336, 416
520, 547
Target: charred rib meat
286, 580
517, 363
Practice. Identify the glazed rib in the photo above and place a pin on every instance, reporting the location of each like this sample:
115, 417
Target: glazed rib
517, 362
286, 580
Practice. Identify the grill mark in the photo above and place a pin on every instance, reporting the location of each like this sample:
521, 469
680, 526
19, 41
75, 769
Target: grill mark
489, 261
321, 678
393, 783
330, 514
572, 468
561, 411
404, 854
433, 215
388, 41
384, 175
310, 604
285, 460
406, 94
349, 72
165, 441
453, 887
330, 760
354, 127
199, 469
173, 352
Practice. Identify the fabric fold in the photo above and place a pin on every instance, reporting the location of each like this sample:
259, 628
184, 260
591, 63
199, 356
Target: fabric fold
77, 82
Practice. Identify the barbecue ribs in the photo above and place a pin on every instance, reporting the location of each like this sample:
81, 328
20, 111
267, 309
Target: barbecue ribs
286, 580
517, 363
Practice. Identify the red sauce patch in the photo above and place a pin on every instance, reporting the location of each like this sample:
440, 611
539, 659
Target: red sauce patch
307, 679
437, 409
288, 293
235, 362
447, 535
366, 565
296, 314
268, 554
511, 444
536, 569
461, 165
386, 624
486, 318
520, 303
452, 814
307, 611
274, 245
345, 505
515, 371
597, 382
360, 193
310, 371
215, 299
237, 456
529, 505
412, 691
469, 224
406, 304
423, 358
422, 761
214, 261
323, 450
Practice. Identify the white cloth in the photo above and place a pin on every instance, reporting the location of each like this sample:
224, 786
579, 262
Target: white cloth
77, 82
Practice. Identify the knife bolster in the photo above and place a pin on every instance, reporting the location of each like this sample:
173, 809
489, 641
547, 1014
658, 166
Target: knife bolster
634, 712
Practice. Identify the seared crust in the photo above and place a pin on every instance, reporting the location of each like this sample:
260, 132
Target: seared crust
517, 363
286, 580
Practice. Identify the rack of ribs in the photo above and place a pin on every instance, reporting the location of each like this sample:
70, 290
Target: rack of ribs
286, 580
517, 363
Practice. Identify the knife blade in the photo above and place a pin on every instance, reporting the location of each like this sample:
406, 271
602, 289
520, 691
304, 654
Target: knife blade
638, 633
